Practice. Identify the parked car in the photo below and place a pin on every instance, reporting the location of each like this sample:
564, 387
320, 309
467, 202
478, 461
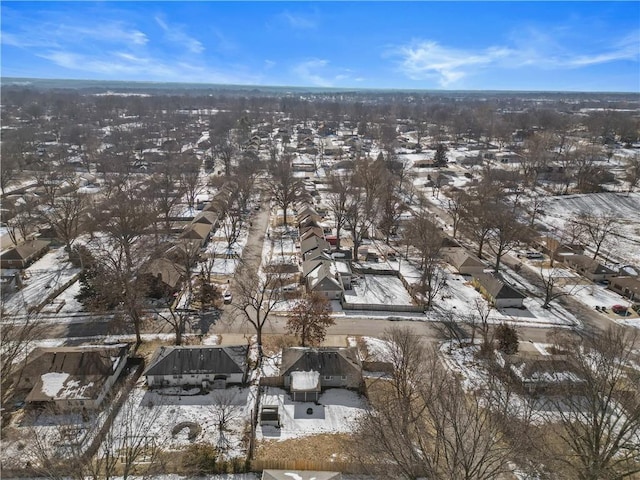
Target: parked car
227, 297
619, 309
531, 255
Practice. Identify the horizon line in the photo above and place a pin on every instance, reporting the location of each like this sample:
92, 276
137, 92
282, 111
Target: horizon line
4, 79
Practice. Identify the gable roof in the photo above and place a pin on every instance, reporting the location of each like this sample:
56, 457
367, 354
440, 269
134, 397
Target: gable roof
196, 230
324, 360
459, 258
207, 217
198, 360
25, 250
496, 287
307, 232
312, 243
321, 278
170, 273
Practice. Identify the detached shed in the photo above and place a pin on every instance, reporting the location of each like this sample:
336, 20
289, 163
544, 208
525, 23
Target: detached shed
269, 416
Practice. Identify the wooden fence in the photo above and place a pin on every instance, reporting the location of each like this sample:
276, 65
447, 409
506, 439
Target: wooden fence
272, 382
258, 465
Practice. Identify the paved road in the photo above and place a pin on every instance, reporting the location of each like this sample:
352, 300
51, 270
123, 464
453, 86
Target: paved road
230, 323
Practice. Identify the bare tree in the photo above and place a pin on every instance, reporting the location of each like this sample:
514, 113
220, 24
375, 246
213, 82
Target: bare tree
600, 423
15, 343
338, 201
553, 285
190, 180
257, 293
224, 411
477, 222
423, 234
231, 227
129, 447
284, 187
440, 431
456, 206
597, 228
63, 215
391, 208
310, 318
505, 232
632, 173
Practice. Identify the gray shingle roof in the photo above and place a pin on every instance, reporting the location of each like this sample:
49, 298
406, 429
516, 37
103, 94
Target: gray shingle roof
198, 360
326, 361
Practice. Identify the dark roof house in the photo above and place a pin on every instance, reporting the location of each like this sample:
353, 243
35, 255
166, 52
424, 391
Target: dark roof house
498, 292
192, 365
333, 367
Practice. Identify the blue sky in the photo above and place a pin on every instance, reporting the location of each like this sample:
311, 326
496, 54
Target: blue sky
588, 46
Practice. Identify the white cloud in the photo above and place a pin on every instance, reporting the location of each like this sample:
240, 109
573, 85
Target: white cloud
50, 35
118, 64
177, 35
298, 21
429, 60
320, 73
307, 71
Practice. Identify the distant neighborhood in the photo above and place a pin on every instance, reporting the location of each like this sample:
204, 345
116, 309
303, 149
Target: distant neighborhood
319, 285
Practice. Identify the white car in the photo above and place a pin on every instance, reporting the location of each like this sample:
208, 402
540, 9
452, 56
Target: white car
227, 297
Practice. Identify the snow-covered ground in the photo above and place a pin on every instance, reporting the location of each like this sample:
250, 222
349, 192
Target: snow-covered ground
172, 406
624, 244
337, 411
46, 275
378, 290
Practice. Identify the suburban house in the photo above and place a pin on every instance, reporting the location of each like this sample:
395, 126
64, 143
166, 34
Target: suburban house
536, 372
462, 261
70, 378
498, 292
197, 231
626, 286
205, 366
324, 279
165, 273
556, 249
308, 371
312, 246
209, 218
307, 232
588, 267
23, 254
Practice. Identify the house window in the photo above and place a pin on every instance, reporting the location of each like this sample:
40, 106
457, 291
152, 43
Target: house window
343, 377
328, 377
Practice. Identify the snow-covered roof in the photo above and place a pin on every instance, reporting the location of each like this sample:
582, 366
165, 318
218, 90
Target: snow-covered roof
305, 381
79, 373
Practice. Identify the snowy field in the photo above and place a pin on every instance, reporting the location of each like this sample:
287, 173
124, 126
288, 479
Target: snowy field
338, 409
624, 245
378, 290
